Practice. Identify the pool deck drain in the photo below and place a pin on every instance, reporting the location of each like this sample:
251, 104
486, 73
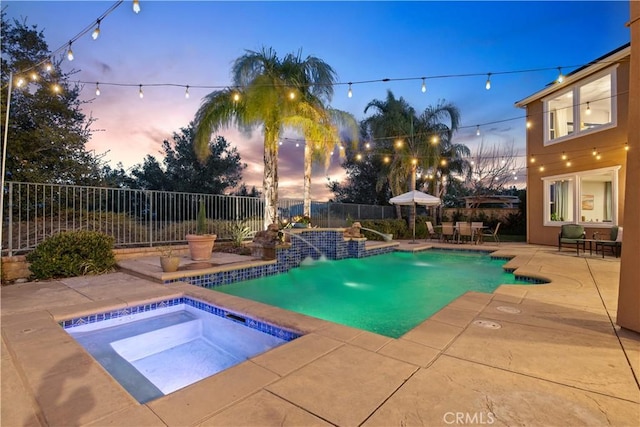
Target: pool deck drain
559, 361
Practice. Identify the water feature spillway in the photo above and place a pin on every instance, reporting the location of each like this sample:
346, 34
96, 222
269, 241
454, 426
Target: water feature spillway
386, 237
322, 256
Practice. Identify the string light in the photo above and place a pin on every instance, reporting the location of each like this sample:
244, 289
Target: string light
588, 109
349, 92
564, 156
533, 159
186, 92
140, 93
560, 78
96, 32
20, 82
56, 88
136, 6
594, 152
478, 130
70, 53
424, 85
541, 169
569, 163
97, 89
48, 66
236, 97
626, 146
487, 85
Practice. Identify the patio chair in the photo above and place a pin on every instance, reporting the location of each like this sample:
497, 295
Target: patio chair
448, 231
476, 229
465, 232
614, 243
572, 234
492, 234
431, 231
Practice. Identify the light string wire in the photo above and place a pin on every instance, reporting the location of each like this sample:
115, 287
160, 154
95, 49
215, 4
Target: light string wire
114, 6
73, 39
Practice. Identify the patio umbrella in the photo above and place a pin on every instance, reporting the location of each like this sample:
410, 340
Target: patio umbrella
413, 198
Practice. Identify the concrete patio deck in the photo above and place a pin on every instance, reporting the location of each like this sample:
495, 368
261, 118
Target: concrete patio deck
558, 359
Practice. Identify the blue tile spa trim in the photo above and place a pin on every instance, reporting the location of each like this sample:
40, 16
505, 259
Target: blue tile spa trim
276, 331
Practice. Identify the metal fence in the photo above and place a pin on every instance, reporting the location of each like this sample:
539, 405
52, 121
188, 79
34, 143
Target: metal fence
32, 212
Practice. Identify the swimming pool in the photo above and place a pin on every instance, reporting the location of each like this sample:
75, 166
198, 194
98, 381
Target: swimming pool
155, 349
386, 294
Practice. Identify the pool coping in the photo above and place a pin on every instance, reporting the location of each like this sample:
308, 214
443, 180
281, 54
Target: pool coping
434, 339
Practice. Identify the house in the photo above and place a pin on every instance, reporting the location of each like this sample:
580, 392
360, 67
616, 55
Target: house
577, 142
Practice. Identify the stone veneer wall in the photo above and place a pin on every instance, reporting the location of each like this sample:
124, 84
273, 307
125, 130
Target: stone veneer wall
304, 243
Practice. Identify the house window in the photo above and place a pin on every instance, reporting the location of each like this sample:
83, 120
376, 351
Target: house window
585, 107
583, 197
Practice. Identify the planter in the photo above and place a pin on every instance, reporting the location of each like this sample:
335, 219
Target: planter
169, 263
201, 246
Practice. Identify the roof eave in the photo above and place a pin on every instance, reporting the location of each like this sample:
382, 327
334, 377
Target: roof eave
600, 64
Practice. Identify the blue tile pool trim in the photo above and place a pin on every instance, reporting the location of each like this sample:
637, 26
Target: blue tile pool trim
276, 331
308, 243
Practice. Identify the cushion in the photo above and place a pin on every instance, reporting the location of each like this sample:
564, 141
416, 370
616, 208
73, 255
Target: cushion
572, 231
619, 236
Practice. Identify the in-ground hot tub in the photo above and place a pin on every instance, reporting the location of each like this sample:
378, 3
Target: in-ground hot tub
155, 349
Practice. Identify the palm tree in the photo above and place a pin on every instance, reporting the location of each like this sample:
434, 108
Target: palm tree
277, 94
422, 141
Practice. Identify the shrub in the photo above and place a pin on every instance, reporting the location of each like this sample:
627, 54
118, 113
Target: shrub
72, 253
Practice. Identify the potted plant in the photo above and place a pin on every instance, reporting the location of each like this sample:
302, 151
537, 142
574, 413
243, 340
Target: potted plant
168, 261
201, 243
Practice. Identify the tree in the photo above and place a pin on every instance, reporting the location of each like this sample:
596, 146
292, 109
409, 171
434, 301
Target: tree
273, 93
182, 171
493, 168
414, 142
364, 182
47, 131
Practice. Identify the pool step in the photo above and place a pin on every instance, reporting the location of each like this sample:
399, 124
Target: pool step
149, 343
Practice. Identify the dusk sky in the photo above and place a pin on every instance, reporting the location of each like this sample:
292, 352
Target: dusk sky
194, 43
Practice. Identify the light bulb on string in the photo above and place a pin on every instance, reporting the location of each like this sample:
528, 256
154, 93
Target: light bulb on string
56, 88
594, 152
560, 78
564, 156
488, 84
20, 82
424, 85
236, 97
34, 76
70, 53
97, 89
588, 109
626, 146
186, 92
478, 130
140, 93
136, 6
350, 92
48, 66
96, 32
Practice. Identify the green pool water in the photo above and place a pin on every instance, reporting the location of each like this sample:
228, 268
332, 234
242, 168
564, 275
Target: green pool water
386, 294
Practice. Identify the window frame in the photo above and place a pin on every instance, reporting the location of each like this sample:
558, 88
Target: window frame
577, 177
575, 90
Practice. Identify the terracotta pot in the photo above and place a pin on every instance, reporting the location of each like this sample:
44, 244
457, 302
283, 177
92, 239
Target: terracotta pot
169, 263
201, 246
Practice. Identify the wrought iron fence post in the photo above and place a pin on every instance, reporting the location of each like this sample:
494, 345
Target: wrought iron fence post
10, 214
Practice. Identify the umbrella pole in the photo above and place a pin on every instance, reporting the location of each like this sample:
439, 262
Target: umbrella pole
414, 223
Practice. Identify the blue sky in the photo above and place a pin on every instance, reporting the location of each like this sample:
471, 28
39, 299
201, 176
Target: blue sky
194, 43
